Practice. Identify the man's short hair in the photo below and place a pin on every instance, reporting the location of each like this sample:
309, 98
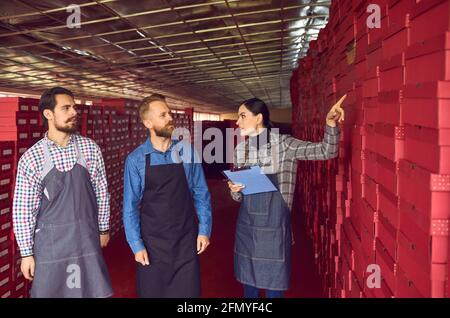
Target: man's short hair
48, 100
144, 105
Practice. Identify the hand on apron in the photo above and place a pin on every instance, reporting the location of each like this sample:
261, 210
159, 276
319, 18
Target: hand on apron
202, 243
27, 267
104, 240
142, 257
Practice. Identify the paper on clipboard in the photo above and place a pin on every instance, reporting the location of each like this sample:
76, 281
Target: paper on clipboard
253, 178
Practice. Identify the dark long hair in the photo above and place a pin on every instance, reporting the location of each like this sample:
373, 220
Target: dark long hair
256, 107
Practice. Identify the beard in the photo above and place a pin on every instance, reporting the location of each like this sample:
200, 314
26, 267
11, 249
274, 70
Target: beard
70, 127
166, 131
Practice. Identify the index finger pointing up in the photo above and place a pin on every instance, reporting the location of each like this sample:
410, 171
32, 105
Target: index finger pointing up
338, 104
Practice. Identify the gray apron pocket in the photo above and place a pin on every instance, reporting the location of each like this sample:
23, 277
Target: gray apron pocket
66, 240
261, 243
43, 248
268, 243
258, 204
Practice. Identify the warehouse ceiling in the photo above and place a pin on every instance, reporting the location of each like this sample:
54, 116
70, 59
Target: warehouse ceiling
210, 54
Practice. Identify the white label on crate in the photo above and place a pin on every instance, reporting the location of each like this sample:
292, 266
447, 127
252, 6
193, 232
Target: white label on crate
5, 211
6, 167
22, 150
7, 152
33, 121
5, 268
24, 107
7, 294
4, 282
3, 239
36, 135
4, 252
22, 122
4, 196
23, 136
35, 108
21, 285
4, 182
5, 226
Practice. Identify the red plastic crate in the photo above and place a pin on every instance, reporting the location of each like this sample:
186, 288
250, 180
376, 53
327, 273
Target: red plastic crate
20, 289
387, 172
386, 140
428, 61
376, 34
355, 288
430, 193
370, 111
374, 54
36, 133
387, 236
429, 18
389, 206
371, 87
430, 148
358, 140
369, 218
430, 279
428, 237
383, 292
405, 287
5, 271
387, 264
370, 192
397, 37
23, 146
427, 104
362, 262
22, 121
5, 236
352, 234
392, 73
5, 195
19, 104
368, 242
5, 286
370, 164
398, 9
7, 149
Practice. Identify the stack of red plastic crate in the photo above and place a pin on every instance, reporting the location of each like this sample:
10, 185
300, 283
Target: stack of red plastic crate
123, 133
7, 158
390, 206
424, 171
21, 128
185, 120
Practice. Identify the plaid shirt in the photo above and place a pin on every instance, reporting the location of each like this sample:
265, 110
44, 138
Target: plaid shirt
282, 155
28, 191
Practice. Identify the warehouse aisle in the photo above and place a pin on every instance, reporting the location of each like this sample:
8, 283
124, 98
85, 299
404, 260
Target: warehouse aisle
217, 261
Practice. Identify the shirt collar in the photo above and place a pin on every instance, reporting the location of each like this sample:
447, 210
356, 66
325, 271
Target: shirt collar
51, 143
148, 146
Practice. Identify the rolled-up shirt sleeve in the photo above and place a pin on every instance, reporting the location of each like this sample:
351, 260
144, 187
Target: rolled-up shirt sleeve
201, 197
26, 203
100, 184
307, 150
131, 198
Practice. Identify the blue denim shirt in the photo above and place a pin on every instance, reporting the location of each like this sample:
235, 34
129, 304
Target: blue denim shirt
134, 183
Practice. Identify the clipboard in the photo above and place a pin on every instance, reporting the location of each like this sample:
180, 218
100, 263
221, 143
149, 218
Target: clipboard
253, 178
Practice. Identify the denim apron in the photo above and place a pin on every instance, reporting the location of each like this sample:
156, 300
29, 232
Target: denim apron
262, 253
67, 252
